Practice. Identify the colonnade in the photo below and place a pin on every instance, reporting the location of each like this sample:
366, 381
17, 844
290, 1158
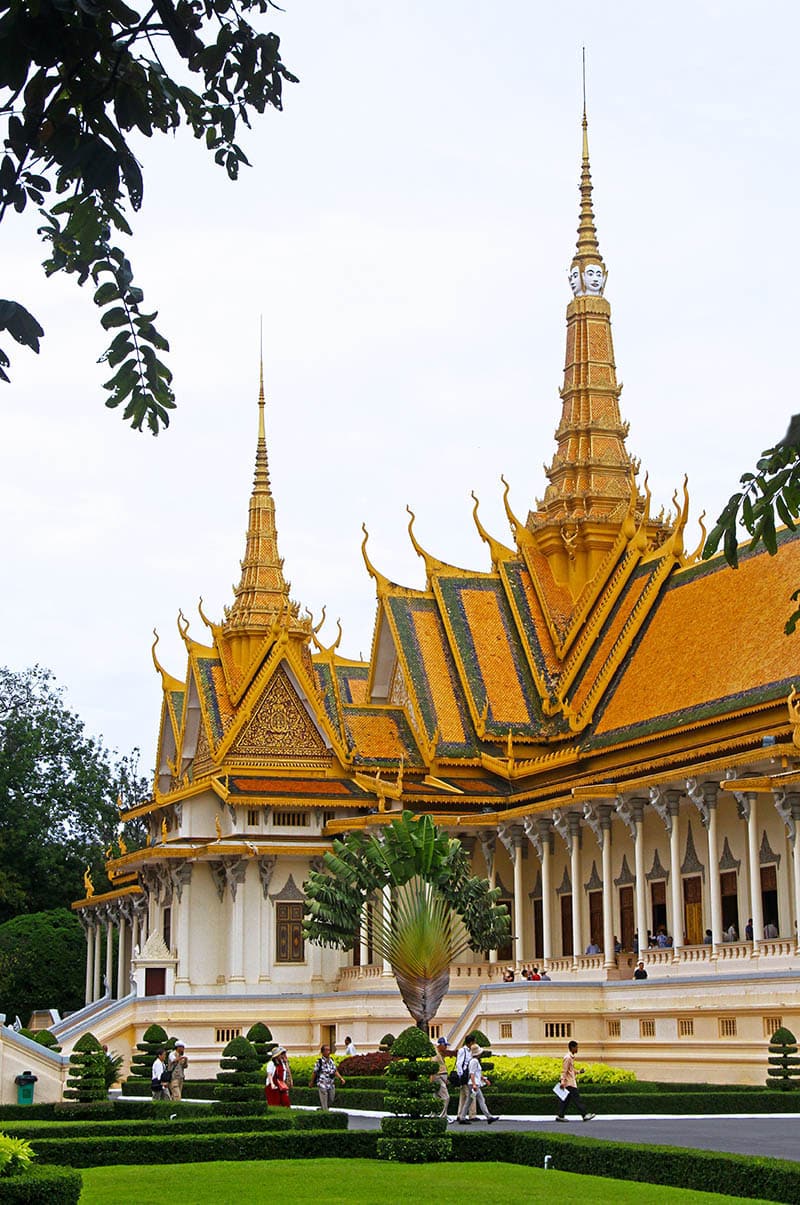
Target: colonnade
129, 916
607, 819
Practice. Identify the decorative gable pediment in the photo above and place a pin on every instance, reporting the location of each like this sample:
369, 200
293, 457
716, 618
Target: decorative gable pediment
289, 893
281, 729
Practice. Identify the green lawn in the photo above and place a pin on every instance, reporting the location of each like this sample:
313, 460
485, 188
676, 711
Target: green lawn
367, 1181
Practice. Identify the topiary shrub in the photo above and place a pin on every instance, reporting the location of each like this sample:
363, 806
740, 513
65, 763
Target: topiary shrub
239, 1081
45, 1038
784, 1065
261, 1037
481, 1039
415, 1134
386, 1042
86, 1082
154, 1039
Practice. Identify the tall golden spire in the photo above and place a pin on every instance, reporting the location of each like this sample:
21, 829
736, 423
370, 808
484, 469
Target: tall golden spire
262, 593
591, 474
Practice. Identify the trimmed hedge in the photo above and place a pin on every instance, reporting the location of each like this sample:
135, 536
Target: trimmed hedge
42, 1186
275, 1120
204, 1148
707, 1171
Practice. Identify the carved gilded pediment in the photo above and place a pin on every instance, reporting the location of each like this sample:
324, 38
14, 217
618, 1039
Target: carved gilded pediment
281, 727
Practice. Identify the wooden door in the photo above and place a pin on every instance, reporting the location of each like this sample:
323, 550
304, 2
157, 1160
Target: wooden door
538, 930
693, 911
626, 925
155, 981
566, 925
596, 918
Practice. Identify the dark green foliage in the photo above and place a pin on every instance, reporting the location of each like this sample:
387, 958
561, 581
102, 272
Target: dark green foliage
480, 1037
154, 1039
42, 961
112, 1065
58, 813
707, 1171
784, 1065
45, 1038
146, 1124
239, 1079
415, 1150
414, 1127
261, 1038
203, 1148
75, 79
768, 497
42, 1186
386, 1041
412, 1044
86, 1081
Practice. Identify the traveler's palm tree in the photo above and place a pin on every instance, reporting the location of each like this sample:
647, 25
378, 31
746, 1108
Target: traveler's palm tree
438, 907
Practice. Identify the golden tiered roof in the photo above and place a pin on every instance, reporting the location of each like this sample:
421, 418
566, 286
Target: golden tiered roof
592, 650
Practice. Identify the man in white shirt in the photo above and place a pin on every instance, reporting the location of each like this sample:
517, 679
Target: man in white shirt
156, 1072
349, 1047
476, 1083
465, 1097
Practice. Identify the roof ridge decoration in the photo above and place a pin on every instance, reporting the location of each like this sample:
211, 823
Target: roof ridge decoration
499, 552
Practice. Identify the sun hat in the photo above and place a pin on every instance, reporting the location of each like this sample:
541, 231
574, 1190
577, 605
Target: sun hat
441, 1041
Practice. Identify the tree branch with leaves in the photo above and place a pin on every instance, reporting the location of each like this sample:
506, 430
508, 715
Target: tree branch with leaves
77, 78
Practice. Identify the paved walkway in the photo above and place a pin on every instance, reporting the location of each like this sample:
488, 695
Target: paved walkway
776, 1134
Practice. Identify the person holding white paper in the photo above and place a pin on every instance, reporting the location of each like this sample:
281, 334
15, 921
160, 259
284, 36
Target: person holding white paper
569, 1085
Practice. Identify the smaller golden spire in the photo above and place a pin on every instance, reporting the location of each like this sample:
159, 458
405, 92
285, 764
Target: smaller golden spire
587, 250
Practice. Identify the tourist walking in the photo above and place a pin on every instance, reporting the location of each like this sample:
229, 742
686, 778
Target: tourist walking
465, 1097
279, 1079
159, 1085
178, 1063
569, 1082
350, 1047
324, 1076
477, 1081
439, 1077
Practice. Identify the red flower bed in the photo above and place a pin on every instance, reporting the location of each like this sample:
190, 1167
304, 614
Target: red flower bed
365, 1064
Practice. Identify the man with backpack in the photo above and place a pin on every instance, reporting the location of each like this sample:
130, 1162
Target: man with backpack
465, 1097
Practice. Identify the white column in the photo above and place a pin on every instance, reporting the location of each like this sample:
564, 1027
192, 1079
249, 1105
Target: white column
793, 800
519, 922
363, 945
96, 968
387, 916
637, 812
675, 884
235, 875
122, 962
710, 792
181, 908
489, 846
750, 808
90, 939
547, 893
609, 955
109, 987
573, 819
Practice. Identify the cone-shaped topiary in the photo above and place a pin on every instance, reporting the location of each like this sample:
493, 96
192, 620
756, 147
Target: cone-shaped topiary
261, 1037
239, 1086
386, 1042
415, 1134
86, 1081
154, 1039
784, 1065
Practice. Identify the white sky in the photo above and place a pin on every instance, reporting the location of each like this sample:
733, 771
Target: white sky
405, 230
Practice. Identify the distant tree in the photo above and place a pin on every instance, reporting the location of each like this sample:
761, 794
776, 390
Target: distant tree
58, 793
768, 497
77, 77
42, 963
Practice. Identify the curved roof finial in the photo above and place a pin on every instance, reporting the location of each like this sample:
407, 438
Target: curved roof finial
203, 615
432, 563
159, 667
498, 551
316, 630
382, 583
516, 526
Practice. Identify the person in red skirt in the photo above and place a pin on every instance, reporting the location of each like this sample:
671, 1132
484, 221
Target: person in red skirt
279, 1079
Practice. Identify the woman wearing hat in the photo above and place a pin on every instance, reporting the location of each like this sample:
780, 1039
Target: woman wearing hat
279, 1079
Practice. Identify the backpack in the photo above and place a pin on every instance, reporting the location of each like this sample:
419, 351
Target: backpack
462, 1068
166, 1074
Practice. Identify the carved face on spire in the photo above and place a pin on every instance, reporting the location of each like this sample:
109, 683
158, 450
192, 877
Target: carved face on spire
594, 279
574, 277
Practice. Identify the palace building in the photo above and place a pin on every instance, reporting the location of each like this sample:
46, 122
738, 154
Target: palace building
604, 720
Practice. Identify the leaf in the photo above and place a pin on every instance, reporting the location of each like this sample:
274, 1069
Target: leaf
115, 317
